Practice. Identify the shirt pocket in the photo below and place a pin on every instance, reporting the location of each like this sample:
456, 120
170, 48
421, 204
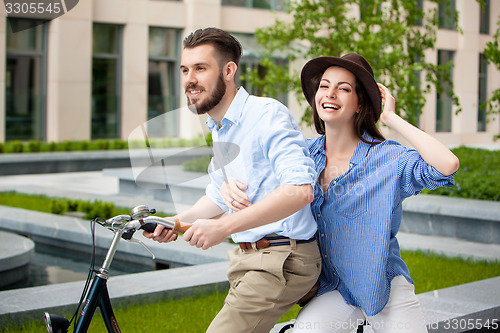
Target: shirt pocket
351, 200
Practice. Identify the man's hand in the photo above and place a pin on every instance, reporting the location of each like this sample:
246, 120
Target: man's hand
161, 234
205, 233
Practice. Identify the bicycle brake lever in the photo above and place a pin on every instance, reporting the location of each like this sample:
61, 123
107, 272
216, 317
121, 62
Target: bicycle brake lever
135, 240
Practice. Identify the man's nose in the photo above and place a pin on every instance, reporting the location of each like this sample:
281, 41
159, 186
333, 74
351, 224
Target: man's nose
190, 78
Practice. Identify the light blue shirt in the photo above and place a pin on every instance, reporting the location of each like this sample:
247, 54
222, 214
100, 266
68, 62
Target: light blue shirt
360, 214
260, 145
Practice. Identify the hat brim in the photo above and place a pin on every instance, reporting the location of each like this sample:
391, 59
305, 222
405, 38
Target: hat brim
317, 66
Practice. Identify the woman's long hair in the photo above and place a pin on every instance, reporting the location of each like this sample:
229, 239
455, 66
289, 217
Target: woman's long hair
365, 120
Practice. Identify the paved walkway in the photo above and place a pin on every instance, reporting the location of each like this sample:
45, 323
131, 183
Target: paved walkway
97, 185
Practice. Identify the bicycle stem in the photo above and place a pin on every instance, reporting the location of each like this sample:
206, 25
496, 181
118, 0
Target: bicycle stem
111, 253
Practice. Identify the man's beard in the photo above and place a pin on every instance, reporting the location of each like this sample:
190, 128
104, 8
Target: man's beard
213, 100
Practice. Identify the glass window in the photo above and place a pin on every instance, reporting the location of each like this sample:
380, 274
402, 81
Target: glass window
25, 80
279, 5
163, 94
446, 11
482, 91
106, 81
444, 101
484, 17
420, 8
250, 60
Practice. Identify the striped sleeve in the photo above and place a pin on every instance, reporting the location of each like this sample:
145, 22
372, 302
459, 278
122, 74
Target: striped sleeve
416, 174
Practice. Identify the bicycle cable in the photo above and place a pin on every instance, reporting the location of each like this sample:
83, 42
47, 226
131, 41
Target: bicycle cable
92, 270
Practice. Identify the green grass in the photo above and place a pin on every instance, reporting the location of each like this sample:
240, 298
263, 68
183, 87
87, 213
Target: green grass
40, 203
56, 205
34, 146
194, 314
478, 176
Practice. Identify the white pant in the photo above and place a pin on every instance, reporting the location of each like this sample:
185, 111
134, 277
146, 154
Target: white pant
330, 313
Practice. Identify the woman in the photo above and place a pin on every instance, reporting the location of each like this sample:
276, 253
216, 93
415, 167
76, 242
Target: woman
363, 180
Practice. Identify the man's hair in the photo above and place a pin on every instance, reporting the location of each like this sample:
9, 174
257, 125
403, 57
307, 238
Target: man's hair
226, 45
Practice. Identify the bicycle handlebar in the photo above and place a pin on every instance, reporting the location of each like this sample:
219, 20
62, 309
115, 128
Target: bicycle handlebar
140, 219
125, 226
151, 222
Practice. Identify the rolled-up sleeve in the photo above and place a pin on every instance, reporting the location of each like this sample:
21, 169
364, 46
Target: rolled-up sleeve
212, 190
416, 174
283, 143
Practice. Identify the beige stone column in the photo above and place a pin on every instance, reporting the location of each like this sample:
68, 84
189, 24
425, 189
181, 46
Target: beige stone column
134, 68
69, 74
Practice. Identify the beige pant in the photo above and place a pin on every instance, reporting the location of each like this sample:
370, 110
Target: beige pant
264, 285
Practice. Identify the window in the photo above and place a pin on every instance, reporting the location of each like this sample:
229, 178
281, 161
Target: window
482, 91
279, 5
250, 60
162, 84
484, 17
446, 11
444, 100
25, 80
420, 8
106, 81
416, 81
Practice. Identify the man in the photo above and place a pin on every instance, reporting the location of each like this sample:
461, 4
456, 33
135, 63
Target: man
256, 142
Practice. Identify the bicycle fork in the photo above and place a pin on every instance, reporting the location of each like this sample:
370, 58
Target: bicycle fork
99, 296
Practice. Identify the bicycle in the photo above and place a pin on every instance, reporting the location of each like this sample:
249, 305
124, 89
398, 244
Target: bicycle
288, 327
95, 290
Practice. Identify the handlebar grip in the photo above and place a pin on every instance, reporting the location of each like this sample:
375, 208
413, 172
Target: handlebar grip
149, 227
181, 227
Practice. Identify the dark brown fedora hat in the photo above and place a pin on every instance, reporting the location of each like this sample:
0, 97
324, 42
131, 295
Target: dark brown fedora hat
354, 63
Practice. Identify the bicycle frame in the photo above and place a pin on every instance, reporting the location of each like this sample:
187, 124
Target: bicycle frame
98, 295
123, 226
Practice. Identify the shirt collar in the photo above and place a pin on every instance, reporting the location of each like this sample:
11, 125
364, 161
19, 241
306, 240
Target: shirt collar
362, 148
233, 113
318, 147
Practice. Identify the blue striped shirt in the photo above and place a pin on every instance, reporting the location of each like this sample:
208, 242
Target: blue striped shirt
260, 145
360, 214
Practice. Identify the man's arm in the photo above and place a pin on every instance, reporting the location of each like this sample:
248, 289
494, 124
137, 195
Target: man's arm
280, 203
202, 209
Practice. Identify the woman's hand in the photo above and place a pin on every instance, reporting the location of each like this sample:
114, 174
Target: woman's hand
234, 196
389, 103
431, 150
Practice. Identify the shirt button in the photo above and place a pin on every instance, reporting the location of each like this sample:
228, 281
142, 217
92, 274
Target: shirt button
319, 214
326, 256
322, 235
350, 164
334, 182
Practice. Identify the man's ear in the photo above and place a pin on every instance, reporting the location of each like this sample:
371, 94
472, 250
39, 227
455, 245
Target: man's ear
230, 70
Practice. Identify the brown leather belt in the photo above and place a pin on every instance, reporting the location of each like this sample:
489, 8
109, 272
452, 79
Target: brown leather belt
272, 241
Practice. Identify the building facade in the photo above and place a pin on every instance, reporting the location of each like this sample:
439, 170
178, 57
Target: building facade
107, 66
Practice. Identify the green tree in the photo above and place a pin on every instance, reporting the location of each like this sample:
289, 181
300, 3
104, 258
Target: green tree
492, 53
392, 35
